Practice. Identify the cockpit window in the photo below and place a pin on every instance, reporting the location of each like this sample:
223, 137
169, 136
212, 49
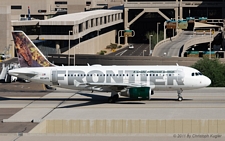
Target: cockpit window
196, 74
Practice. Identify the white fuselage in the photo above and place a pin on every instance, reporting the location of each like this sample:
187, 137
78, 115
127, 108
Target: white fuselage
105, 77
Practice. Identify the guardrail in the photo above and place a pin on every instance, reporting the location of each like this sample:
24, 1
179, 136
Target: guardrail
197, 40
212, 20
173, 4
201, 3
151, 4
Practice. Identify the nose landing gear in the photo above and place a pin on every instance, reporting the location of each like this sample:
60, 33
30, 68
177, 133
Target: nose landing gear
180, 98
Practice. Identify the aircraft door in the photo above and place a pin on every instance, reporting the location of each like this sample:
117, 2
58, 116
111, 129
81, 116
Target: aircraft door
54, 76
180, 75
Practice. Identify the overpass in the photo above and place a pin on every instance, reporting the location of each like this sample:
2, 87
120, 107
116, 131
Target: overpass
178, 44
177, 5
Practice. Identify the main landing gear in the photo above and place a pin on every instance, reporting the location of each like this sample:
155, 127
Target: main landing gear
180, 98
114, 97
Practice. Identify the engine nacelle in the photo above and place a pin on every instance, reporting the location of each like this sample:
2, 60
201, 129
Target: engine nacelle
143, 93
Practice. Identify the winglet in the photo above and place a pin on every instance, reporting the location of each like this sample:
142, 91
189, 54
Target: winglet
28, 54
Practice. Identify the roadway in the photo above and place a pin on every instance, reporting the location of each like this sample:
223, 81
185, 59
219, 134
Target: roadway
173, 48
22, 102
138, 50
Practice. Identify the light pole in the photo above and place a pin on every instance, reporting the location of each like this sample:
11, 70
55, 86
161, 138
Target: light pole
98, 37
158, 31
150, 45
70, 31
78, 49
210, 44
144, 52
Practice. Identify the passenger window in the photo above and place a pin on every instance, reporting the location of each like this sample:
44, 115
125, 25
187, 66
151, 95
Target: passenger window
193, 74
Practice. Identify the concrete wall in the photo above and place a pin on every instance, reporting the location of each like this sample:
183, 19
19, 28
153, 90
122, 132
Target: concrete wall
112, 3
5, 28
75, 6
94, 45
48, 5
130, 126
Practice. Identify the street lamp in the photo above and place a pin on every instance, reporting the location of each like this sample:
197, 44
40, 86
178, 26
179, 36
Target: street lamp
78, 49
210, 44
150, 45
158, 31
144, 52
98, 37
70, 31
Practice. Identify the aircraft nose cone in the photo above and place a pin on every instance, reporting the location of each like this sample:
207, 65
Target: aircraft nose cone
207, 81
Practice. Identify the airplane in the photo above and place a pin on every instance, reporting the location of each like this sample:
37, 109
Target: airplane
136, 82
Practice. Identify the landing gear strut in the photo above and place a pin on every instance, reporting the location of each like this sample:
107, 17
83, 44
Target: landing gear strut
180, 98
113, 98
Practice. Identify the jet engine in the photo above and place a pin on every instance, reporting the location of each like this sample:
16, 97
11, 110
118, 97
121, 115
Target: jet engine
142, 93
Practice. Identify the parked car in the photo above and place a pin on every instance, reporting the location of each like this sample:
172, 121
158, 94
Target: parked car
2, 56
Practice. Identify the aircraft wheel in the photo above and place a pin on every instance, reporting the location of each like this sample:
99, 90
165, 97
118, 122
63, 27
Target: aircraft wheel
180, 98
113, 99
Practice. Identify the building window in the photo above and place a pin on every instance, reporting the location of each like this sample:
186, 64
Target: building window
60, 2
16, 7
88, 3
86, 24
42, 11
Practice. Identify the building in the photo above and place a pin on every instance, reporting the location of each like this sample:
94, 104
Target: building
12, 12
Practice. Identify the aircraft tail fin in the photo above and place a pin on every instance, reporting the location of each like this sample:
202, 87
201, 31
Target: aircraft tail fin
28, 54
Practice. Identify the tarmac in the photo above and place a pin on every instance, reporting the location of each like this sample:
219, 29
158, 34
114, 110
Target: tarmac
24, 107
